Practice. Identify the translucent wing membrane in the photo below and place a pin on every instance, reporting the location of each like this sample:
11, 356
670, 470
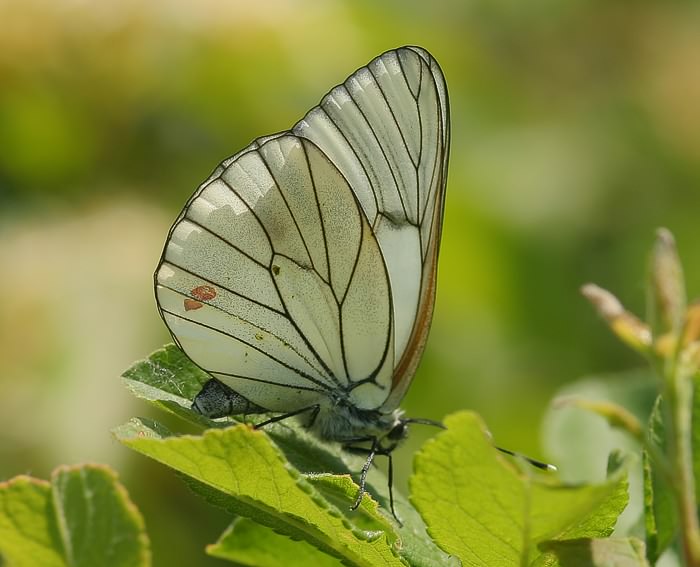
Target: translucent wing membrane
273, 281
387, 130
305, 265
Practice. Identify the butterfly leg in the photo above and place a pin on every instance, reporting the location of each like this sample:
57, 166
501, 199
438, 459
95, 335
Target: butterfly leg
365, 469
313, 409
371, 453
390, 478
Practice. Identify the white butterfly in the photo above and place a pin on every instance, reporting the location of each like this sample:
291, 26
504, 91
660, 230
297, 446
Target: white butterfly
301, 275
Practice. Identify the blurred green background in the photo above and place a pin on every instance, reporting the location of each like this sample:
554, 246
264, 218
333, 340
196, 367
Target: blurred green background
576, 132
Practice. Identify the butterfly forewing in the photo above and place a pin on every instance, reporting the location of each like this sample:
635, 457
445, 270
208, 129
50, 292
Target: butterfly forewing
386, 128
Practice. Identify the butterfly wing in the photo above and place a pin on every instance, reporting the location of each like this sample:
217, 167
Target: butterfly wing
308, 260
273, 281
387, 130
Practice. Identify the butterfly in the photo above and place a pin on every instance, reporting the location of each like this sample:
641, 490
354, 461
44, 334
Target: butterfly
301, 274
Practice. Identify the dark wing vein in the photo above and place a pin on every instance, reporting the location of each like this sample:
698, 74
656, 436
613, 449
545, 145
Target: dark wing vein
291, 214
224, 240
393, 116
296, 371
219, 286
381, 148
250, 209
320, 216
357, 155
390, 163
270, 382
252, 323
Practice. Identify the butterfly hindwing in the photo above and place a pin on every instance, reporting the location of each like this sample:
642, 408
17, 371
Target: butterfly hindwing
273, 282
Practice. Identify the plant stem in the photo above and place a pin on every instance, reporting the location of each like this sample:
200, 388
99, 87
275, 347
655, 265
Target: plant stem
679, 396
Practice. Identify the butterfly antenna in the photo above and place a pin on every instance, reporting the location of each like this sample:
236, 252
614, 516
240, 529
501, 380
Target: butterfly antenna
423, 421
534, 462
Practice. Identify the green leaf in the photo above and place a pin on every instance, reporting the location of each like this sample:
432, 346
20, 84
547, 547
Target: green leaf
82, 518
248, 543
305, 455
660, 515
28, 527
580, 442
244, 465
341, 490
168, 370
627, 552
484, 510
696, 436
416, 547
169, 380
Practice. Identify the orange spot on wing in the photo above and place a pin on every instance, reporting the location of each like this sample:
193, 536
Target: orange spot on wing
191, 304
203, 292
